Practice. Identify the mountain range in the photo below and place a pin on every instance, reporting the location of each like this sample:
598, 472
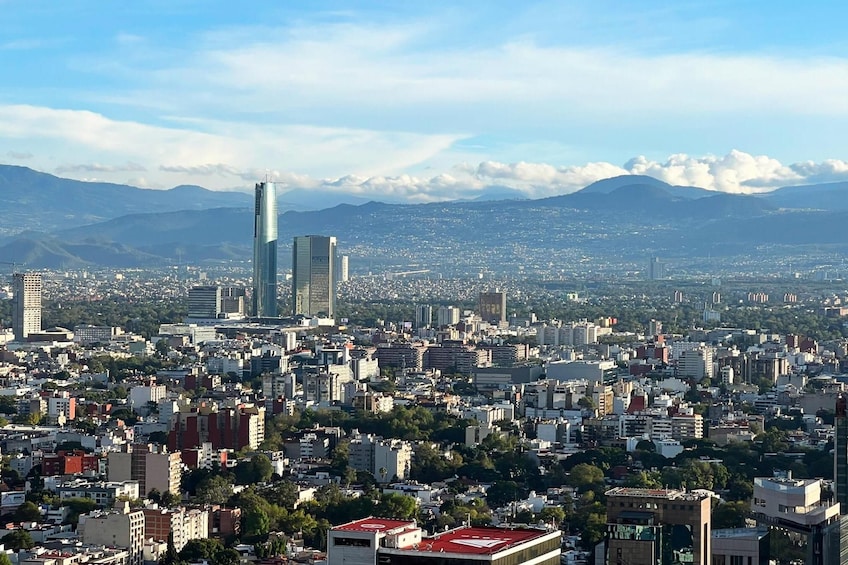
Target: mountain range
50, 222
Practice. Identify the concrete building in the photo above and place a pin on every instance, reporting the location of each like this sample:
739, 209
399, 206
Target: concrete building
117, 528
265, 250
103, 494
399, 542
184, 524
423, 316
741, 545
142, 394
696, 364
796, 506
26, 312
226, 427
87, 334
447, 316
657, 526
492, 307
151, 465
313, 276
387, 460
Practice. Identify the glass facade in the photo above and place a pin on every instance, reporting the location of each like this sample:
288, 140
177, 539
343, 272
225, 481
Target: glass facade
313, 275
265, 251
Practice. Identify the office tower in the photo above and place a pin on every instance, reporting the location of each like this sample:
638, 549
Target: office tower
313, 277
204, 301
423, 316
492, 307
232, 300
657, 526
343, 270
656, 269
265, 251
840, 455
447, 316
26, 318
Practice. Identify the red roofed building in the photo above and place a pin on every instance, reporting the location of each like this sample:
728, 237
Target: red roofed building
378, 541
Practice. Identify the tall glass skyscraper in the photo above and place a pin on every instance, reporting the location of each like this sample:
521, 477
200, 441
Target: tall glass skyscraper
313, 275
265, 251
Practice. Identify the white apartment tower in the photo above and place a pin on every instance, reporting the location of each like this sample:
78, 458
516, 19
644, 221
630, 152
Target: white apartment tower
26, 317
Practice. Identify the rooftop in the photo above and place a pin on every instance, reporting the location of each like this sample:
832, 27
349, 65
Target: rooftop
480, 541
665, 494
371, 524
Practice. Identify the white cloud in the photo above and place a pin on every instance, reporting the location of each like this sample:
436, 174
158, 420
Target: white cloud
736, 172
216, 154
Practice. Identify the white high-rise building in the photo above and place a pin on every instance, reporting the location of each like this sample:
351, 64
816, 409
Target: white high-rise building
447, 316
26, 317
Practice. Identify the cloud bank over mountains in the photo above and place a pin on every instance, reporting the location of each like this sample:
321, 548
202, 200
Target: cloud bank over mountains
737, 173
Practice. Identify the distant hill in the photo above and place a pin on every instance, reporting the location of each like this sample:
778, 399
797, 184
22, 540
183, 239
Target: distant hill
64, 224
827, 196
41, 201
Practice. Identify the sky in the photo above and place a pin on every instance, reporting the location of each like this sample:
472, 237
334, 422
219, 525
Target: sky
426, 100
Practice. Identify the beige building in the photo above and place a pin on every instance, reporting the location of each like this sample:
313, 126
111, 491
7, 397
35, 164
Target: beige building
151, 465
183, 523
116, 528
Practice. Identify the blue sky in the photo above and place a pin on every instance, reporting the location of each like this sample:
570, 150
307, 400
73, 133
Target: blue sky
425, 100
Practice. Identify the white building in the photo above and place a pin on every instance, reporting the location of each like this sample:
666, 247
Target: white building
117, 528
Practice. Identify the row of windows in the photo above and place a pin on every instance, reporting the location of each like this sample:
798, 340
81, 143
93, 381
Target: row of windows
654, 505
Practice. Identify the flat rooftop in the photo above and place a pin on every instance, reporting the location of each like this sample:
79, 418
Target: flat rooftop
371, 524
477, 541
665, 494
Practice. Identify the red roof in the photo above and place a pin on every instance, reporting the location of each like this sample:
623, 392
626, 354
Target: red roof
374, 525
477, 540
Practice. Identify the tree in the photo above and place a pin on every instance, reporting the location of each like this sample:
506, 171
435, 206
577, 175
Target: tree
214, 490
584, 476
552, 514
27, 512
169, 499
17, 540
730, 515
200, 549
4, 558
501, 493
397, 506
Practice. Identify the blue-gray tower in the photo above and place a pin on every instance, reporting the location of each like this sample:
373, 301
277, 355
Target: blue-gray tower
265, 251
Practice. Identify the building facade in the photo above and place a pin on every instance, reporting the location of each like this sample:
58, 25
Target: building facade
26, 315
657, 526
313, 276
265, 251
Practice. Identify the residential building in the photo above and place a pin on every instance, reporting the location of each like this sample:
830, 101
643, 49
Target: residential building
116, 528
386, 459
151, 465
103, 494
26, 312
447, 316
227, 427
184, 524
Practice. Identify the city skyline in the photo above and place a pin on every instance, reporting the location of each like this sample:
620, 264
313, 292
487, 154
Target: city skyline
427, 101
